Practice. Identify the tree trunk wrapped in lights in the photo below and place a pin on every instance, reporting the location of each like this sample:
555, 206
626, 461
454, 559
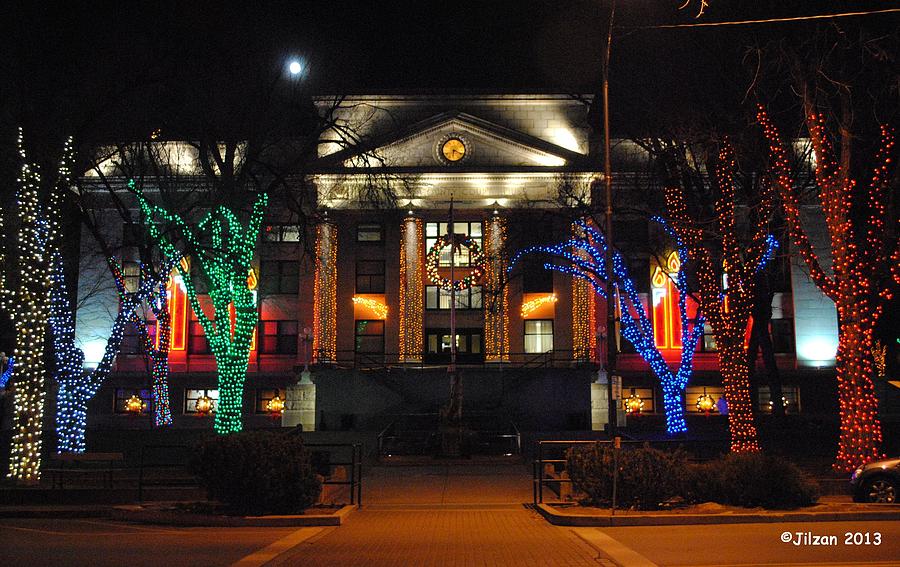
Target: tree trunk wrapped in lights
27, 302
586, 259
865, 271
77, 387
155, 349
726, 294
224, 263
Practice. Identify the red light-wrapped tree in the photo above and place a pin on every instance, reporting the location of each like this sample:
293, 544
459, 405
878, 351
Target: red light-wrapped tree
865, 270
726, 279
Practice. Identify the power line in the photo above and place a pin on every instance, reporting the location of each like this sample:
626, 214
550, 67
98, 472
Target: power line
767, 21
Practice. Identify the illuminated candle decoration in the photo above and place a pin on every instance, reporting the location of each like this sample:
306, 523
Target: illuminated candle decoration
28, 306
726, 293
224, 263
584, 258
495, 292
325, 300
633, 404
529, 306
865, 271
476, 260
378, 308
412, 252
665, 298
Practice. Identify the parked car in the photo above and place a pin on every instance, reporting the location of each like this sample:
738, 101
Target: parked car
877, 481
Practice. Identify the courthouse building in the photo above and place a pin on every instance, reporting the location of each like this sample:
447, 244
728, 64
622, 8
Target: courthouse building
361, 306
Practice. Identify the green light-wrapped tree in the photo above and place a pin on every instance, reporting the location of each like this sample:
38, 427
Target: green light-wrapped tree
221, 248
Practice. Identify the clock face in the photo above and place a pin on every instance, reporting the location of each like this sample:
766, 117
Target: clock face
453, 149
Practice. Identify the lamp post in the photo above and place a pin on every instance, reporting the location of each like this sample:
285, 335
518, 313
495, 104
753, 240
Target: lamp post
307, 339
607, 178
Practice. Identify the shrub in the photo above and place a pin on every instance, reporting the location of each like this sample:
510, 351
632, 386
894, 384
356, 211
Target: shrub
257, 473
646, 477
751, 480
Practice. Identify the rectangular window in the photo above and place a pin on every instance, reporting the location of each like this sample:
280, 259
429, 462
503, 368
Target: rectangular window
281, 233
434, 230
468, 346
131, 340
122, 396
197, 343
369, 232
538, 335
708, 341
263, 397
278, 337
279, 277
782, 335
437, 298
191, 397
790, 397
131, 274
370, 337
370, 276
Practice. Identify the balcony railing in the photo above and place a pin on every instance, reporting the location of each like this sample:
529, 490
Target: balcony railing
368, 361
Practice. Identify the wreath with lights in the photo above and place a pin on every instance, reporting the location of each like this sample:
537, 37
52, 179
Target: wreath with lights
476, 260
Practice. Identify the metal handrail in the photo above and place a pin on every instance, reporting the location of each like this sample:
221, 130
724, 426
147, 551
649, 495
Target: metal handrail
355, 463
351, 359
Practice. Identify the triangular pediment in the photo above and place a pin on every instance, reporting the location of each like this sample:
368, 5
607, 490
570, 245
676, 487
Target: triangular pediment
487, 145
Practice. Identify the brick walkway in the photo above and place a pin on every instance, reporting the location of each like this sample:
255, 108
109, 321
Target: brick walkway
444, 515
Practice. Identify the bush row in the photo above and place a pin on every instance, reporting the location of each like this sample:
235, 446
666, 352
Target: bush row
648, 478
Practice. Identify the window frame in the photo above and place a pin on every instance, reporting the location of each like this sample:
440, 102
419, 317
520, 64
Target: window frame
357, 335
526, 334
430, 240
371, 225
441, 293
272, 282
260, 400
122, 395
372, 277
278, 335
206, 392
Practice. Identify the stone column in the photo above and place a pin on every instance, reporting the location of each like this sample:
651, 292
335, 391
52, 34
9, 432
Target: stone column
300, 404
412, 258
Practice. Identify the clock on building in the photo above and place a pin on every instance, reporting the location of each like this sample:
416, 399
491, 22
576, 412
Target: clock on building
453, 149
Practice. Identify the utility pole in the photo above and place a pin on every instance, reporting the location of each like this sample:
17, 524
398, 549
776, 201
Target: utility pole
610, 285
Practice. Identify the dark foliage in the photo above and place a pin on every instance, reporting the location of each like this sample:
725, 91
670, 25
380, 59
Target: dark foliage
257, 472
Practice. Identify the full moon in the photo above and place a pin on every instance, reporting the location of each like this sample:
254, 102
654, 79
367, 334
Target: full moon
294, 67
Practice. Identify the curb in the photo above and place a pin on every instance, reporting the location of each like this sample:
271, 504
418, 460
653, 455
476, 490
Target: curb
558, 518
54, 512
172, 518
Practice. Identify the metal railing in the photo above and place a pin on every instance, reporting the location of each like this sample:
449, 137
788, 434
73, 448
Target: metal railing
540, 478
351, 458
354, 480
400, 438
425, 361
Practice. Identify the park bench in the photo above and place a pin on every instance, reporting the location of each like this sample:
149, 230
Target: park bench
69, 464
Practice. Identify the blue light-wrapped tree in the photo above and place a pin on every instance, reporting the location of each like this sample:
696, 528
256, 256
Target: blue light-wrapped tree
584, 258
76, 385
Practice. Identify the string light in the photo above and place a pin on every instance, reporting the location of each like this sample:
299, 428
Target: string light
203, 405
412, 250
584, 312
432, 260
325, 288
77, 387
633, 404
496, 292
135, 405
705, 403
726, 297
156, 349
377, 307
529, 306
7, 374
225, 266
275, 406
865, 272
28, 306
586, 260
